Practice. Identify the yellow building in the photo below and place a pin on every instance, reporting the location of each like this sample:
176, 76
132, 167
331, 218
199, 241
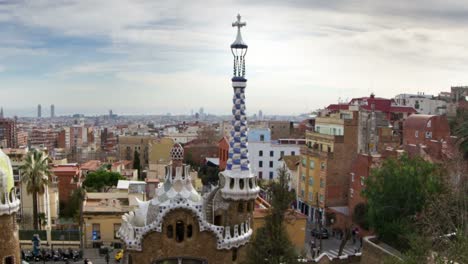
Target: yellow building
159, 157
325, 163
102, 215
296, 223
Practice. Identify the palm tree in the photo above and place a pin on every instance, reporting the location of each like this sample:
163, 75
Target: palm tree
36, 174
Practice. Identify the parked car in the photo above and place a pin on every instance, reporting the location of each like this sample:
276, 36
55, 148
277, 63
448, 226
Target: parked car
320, 234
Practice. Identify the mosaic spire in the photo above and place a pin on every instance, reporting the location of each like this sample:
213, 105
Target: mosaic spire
238, 154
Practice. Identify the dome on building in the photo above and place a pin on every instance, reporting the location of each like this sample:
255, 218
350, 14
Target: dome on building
8, 201
177, 152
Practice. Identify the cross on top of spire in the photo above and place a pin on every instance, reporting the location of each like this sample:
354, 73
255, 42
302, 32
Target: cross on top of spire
238, 23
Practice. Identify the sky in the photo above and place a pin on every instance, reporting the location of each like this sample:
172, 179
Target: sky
155, 57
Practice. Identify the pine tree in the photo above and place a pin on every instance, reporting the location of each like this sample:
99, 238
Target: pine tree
271, 243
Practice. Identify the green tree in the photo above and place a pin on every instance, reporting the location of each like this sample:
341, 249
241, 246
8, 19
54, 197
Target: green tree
102, 180
35, 173
72, 209
461, 131
271, 243
397, 193
209, 175
136, 163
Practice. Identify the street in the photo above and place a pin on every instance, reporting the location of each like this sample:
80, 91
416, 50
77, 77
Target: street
330, 245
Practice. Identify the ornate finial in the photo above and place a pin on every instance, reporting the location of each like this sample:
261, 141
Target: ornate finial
238, 23
177, 152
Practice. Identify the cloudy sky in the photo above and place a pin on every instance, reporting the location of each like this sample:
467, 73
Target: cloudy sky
157, 56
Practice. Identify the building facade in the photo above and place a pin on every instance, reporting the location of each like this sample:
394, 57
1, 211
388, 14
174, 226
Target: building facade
178, 225
424, 104
265, 153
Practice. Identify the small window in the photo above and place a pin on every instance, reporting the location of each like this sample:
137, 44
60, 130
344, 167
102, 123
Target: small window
428, 134
322, 183
362, 180
116, 229
262, 137
241, 184
311, 196
96, 232
352, 176
240, 207
302, 193
217, 220
281, 154
293, 153
351, 192
260, 153
429, 123
234, 254
271, 164
10, 260
312, 164
170, 231
322, 165
321, 198
303, 177
271, 175
189, 231
304, 162
180, 231
260, 174
416, 133
311, 181
260, 164
271, 153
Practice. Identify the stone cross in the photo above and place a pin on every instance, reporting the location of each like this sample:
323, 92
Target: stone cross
238, 23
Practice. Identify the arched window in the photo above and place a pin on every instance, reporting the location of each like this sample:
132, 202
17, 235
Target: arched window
170, 231
189, 231
217, 220
241, 184
9, 260
231, 184
180, 231
240, 207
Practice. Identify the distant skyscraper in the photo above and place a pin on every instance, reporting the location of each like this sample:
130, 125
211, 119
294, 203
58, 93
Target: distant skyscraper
52, 111
260, 115
110, 113
39, 111
1, 113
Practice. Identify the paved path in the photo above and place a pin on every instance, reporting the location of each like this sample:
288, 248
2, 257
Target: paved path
330, 245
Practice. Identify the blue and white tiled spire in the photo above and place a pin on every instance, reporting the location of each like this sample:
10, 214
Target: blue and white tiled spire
239, 183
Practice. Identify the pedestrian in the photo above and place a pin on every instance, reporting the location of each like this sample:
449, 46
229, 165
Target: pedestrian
353, 234
107, 257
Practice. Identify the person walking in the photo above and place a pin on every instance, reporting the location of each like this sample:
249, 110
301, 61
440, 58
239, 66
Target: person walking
107, 257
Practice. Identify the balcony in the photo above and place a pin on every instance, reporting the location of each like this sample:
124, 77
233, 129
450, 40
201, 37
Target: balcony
315, 136
315, 152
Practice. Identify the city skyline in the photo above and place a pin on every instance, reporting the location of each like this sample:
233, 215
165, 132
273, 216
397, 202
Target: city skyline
168, 56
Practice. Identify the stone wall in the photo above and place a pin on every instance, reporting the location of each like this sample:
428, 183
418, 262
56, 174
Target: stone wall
9, 242
201, 245
372, 253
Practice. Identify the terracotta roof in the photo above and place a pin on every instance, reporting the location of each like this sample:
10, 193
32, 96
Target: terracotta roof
417, 121
291, 161
91, 165
65, 168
